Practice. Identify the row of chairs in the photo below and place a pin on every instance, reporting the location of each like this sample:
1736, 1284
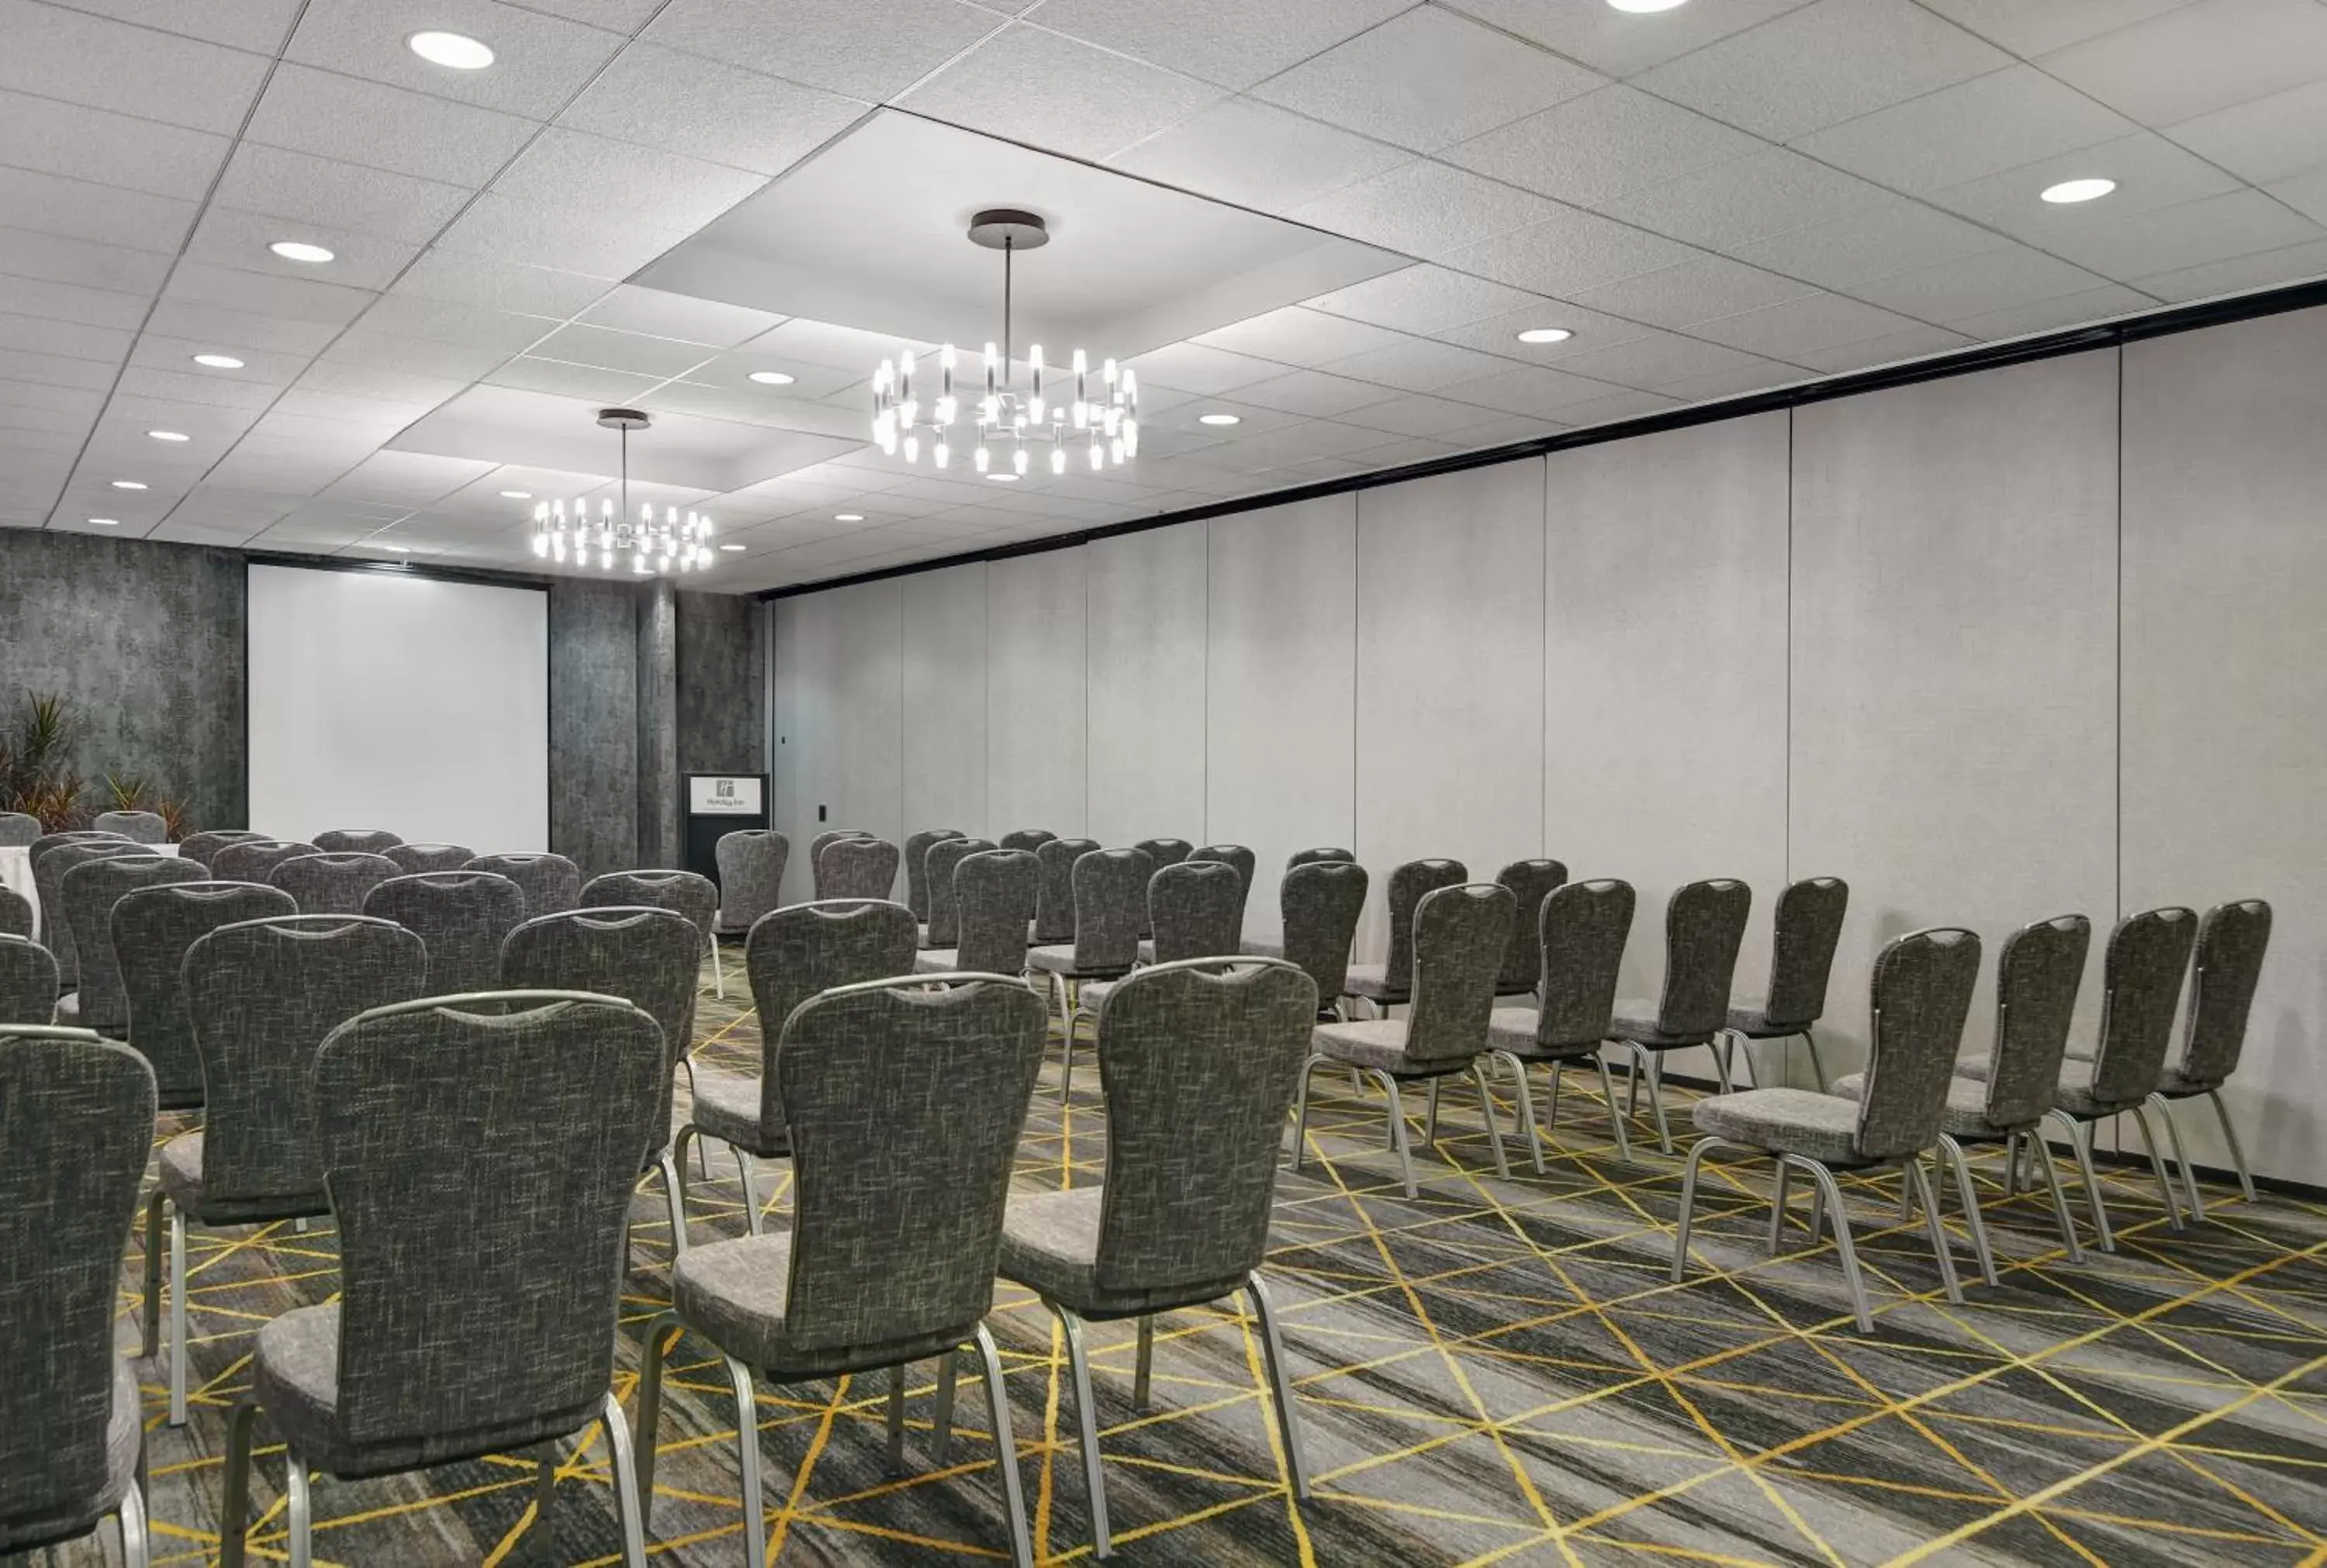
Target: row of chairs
19, 828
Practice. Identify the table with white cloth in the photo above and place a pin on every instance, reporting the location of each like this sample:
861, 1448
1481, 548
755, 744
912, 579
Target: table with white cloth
16, 872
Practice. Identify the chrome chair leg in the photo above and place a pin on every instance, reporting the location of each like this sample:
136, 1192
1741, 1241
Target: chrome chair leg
2011, 1165
2080, 1142
2042, 1155
701, 1155
1551, 1102
718, 971
1280, 1384
1486, 1112
1817, 1068
178, 1351
2157, 1166
941, 1419
1142, 1371
1657, 1102
674, 1193
1935, 1227
2230, 1137
234, 1507
1688, 1203
1301, 1109
544, 1479
1397, 1131
1831, 1192
137, 1549
895, 1433
629, 1513
2164, 1108
1087, 1426
1005, 1452
1608, 1096
1960, 1168
1777, 1208
750, 1194
1719, 1050
1525, 1097
1430, 1118
651, 1350
153, 1286
300, 1511
747, 1444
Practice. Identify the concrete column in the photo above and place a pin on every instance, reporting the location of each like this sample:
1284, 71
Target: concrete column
659, 806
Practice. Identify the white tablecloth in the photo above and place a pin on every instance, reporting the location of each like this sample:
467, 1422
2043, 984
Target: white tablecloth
16, 872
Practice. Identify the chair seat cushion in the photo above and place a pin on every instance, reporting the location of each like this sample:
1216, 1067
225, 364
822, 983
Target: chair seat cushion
1636, 1022
1512, 1029
68, 1010
1965, 1116
1061, 960
1049, 1244
2173, 1086
936, 960
728, 1106
125, 1430
2074, 1094
182, 1177
1821, 1127
1379, 1042
1262, 947
1754, 1022
1093, 993
734, 1293
1371, 981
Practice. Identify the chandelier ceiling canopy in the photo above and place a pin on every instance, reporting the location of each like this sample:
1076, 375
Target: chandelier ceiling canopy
650, 545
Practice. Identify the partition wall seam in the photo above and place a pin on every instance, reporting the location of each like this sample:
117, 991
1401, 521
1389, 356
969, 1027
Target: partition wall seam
2117, 822
1786, 851
1543, 671
1204, 707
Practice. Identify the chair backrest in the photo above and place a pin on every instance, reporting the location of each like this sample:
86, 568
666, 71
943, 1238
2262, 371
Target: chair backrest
1163, 852
751, 864
688, 893
994, 898
463, 917
52, 857
28, 981
2148, 954
260, 996
1459, 936
1530, 882
1246, 863
329, 883
480, 1166
360, 840
1199, 1061
2037, 975
2231, 941
254, 859
943, 868
550, 882
1318, 855
1110, 906
917, 867
419, 857
1320, 902
91, 889
153, 930
1704, 923
650, 957
802, 949
904, 1106
816, 847
1580, 934
18, 829
1809, 929
1055, 908
76, 1126
143, 827
1198, 907
15, 913
859, 868
203, 846
1030, 839
1920, 997
1409, 884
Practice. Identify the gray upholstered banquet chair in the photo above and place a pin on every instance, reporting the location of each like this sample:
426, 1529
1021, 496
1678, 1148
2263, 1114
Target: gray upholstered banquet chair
1031, 839
19, 829
254, 859
419, 857
1391, 982
994, 894
463, 917
2036, 978
2141, 990
259, 996
51, 857
98, 1001
1197, 1061
904, 1106
15, 913
816, 847
645, 955
1530, 882
1459, 936
1809, 929
943, 931
1320, 904
688, 893
1704, 922
202, 847
550, 882
360, 840
76, 1125
858, 868
1162, 852
790, 956
1920, 994
1110, 904
917, 869
329, 883
480, 1166
139, 826
28, 981
1054, 909
2224, 970
1240, 856
751, 864
1580, 931
1196, 913
153, 930
1314, 856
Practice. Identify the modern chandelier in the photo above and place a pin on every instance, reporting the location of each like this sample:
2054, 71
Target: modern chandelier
650, 545
1011, 420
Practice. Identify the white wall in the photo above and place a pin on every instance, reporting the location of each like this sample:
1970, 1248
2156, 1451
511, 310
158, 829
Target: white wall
1967, 644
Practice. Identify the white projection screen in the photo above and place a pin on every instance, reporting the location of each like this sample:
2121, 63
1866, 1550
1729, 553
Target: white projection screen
379, 699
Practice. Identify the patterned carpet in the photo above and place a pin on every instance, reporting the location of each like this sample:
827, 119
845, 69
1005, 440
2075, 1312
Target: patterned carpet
1498, 1372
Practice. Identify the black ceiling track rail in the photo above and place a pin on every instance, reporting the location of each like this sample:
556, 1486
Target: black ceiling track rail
2158, 323
484, 575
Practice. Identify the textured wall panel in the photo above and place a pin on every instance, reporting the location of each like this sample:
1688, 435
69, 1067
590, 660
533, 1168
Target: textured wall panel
843, 731
1145, 603
944, 678
1034, 753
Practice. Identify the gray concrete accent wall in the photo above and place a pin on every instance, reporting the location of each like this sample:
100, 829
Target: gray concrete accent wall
657, 724
594, 731
722, 683
144, 642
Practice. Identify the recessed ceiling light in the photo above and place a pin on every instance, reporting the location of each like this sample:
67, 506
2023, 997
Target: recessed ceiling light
455, 50
1643, 7
107, 522
1002, 478
516, 495
1220, 419
848, 517
400, 549
169, 435
1545, 335
2069, 192
300, 250
128, 484
772, 378
731, 546
218, 361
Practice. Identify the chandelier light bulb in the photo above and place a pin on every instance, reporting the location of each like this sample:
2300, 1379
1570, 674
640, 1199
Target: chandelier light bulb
1018, 459
1058, 460
984, 458
912, 449
941, 454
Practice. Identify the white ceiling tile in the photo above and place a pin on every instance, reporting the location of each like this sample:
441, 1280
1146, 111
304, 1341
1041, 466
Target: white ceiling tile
566, 380
1058, 94
1418, 365
56, 421
385, 127
55, 371
567, 172
112, 149
1692, 292
2072, 309
1915, 343
1193, 369
704, 108
163, 350
1529, 389
609, 349
711, 322
1313, 393
1750, 198
1423, 299
108, 345
227, 237
1757, 377
1799, 327
1602, 146
1569, 252
1828, 62
1591, 329
378, 381
620, 15
1257, 156
1970, 286
1615, 407
1615, 41
476, 329
501, 285
52, 204
2214, 229
541, 61
376, 418
132, 71
1655, 359
403, 479
2150, 171
1294, 335
1424, 208
2263, 139
1427, 79
1186, 419
862, 49
1233, 43
218, 328
2306, 193
301, 188
257, 294
835, 347
1991, 123
732, 372
18, 393
366, 344
2030, 30
60, 259
597, 243
259, 26
2266, 270
1876, 244
2200, 58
